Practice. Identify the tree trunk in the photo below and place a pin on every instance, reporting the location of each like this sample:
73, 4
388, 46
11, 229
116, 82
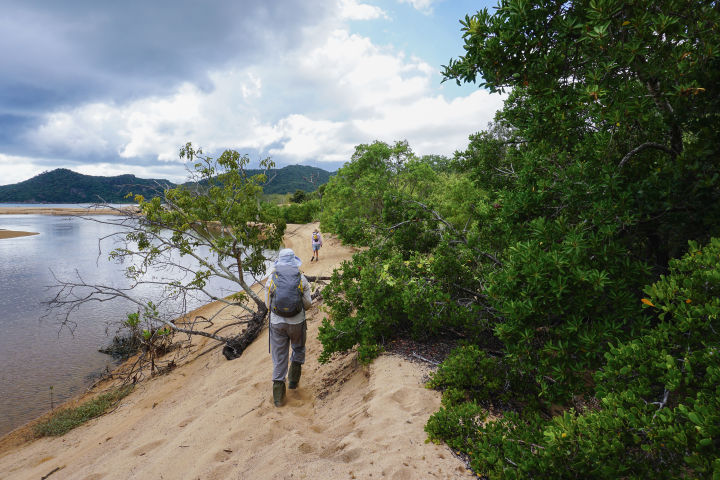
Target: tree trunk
237, 345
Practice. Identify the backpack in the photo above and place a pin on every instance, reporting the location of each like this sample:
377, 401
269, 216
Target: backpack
315, 237
286, 291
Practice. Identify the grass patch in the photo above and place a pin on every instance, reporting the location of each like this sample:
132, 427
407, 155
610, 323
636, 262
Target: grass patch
65, 420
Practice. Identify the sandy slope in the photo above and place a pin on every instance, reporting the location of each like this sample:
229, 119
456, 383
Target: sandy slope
214, 419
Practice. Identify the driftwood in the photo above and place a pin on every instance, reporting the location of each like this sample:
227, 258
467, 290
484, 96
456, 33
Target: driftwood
234, 347
315, 278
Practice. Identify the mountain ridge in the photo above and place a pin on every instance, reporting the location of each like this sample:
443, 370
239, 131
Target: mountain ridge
63, 185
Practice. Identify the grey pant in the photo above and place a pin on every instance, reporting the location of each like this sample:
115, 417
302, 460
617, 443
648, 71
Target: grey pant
283, 336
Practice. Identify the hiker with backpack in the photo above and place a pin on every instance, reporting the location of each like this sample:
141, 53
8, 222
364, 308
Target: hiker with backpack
316, 244
288, 295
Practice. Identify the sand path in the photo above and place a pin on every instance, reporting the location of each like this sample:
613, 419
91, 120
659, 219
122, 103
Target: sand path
214, 419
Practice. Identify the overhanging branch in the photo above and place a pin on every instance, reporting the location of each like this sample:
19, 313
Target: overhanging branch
645, 146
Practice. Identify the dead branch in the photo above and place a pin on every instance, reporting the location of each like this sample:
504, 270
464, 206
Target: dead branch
645, 146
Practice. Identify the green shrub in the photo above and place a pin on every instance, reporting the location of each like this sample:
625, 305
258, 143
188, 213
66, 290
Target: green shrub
299, 196
65, 420
380, 295
305, 212
659, 398
563, 294
470, 374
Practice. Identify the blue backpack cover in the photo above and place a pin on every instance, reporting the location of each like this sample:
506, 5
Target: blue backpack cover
286, 291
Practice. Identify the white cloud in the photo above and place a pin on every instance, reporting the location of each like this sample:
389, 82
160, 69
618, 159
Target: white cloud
17, 169
154, 126
361, 76
424, 6
316, 106
105, 169
352, 10
434, 124
305, 138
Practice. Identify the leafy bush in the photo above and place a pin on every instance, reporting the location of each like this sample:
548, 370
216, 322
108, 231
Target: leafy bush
600, 168
563, 294
380, 294
659, 398
299, 196
470, 374
305, 212
355, 199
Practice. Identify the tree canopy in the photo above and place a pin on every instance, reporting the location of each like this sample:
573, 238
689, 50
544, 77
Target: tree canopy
572, 267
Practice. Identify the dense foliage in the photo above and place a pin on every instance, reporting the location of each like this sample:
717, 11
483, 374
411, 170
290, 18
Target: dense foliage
659, 397
536, 244
304, 207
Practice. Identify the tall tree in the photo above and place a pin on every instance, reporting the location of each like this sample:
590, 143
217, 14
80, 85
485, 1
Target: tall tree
612, 171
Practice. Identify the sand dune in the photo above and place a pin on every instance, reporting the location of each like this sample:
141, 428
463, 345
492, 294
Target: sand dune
214, 419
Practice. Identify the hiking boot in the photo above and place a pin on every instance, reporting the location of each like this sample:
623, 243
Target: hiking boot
278, 393
294, 375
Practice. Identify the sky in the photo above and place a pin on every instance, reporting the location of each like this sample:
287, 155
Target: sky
108, 88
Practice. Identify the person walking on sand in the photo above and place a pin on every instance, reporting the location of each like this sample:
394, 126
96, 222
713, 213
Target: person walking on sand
316, 244
288, 296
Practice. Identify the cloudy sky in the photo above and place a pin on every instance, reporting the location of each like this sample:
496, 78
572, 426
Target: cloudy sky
107, 87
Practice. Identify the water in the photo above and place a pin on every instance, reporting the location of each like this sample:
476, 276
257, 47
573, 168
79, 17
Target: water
58, 205
35, 353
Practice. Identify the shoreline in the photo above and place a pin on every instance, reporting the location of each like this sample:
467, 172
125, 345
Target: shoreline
22, 434
40, 210
213, 419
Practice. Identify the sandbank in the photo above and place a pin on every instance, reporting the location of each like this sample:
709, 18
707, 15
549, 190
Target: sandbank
40, 210
214, 419
14, 233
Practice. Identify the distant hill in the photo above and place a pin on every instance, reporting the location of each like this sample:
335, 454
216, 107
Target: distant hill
294, 177
65, 186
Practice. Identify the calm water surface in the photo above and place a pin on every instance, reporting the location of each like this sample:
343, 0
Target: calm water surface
35, 353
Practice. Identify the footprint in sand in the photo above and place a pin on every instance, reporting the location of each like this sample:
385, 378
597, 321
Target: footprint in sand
95, 476
186, 422
318, 428
351, 455
299, 399
305, 448
147, 448
223, 455
402, 397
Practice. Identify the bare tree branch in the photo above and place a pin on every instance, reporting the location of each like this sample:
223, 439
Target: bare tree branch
175, 250
645, 146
